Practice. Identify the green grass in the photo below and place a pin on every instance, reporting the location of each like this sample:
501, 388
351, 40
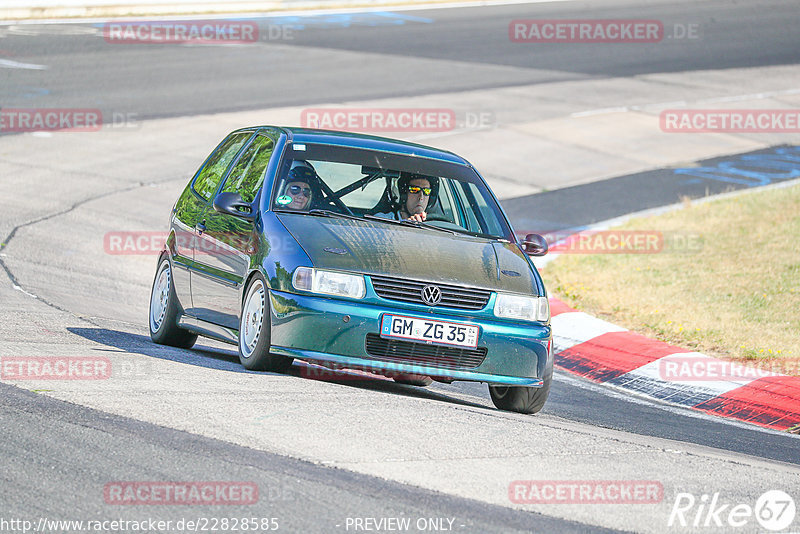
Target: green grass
736, 295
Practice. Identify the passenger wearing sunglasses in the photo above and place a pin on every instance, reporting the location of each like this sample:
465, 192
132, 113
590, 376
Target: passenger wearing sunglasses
417, 192
299, 190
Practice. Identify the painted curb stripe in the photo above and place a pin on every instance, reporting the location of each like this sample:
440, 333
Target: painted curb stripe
680, 394
574, 328
773, 401
611, 355
603, 352
558, 307
656, 371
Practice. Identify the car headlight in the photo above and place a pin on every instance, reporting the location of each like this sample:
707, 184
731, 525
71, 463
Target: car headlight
329, 282
522, 307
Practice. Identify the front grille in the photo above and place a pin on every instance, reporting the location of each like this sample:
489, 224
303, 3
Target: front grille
399, 351
462, 298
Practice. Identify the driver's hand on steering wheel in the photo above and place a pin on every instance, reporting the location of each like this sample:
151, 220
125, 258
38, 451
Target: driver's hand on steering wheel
418, 217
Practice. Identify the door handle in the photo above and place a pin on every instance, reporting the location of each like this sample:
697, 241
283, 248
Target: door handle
201, 227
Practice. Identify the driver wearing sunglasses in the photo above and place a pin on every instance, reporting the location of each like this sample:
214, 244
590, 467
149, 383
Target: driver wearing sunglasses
416, 192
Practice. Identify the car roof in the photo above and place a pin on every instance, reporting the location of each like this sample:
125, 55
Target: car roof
368, 142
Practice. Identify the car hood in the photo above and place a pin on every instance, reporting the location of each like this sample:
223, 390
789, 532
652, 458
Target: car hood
376, 248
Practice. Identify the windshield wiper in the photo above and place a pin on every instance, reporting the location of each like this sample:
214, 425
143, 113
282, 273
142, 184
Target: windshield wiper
485, 236
320, 213
329, 213
413, 224
384, 219
401, 222
432, 227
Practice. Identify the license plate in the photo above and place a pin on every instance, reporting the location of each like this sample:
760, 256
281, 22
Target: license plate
428, 331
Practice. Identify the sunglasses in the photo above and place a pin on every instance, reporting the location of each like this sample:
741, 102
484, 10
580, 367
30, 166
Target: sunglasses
295, 190
414, 189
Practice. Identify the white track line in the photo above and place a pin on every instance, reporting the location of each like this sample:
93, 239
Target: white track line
11, 64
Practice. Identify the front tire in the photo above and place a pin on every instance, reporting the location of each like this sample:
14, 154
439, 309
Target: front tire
522, 399
165, 310
254, 331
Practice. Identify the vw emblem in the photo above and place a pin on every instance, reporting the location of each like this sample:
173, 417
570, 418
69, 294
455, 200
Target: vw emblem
431, 295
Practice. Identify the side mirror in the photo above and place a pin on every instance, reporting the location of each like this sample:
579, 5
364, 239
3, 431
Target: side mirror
535, 245
232, 204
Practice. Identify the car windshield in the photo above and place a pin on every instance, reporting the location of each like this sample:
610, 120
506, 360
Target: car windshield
339, 181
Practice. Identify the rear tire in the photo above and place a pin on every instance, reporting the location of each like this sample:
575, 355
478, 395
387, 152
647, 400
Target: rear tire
523, 399
165, 310
255, 331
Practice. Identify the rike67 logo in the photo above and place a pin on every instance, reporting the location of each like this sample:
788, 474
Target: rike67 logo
774, 511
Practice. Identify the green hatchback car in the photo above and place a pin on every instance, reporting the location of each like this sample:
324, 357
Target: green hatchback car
359, 252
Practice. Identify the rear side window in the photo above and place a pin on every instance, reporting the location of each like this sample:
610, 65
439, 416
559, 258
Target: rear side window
212, 172
247, 175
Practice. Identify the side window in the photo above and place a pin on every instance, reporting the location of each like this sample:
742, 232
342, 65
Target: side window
445, 200
472, 222
208, 179
248, 174
480, 217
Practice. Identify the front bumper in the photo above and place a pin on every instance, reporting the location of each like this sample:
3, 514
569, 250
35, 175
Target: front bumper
316, 328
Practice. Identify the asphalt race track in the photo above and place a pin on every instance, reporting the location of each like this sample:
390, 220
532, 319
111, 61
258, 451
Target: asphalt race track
380, 55
325, 451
